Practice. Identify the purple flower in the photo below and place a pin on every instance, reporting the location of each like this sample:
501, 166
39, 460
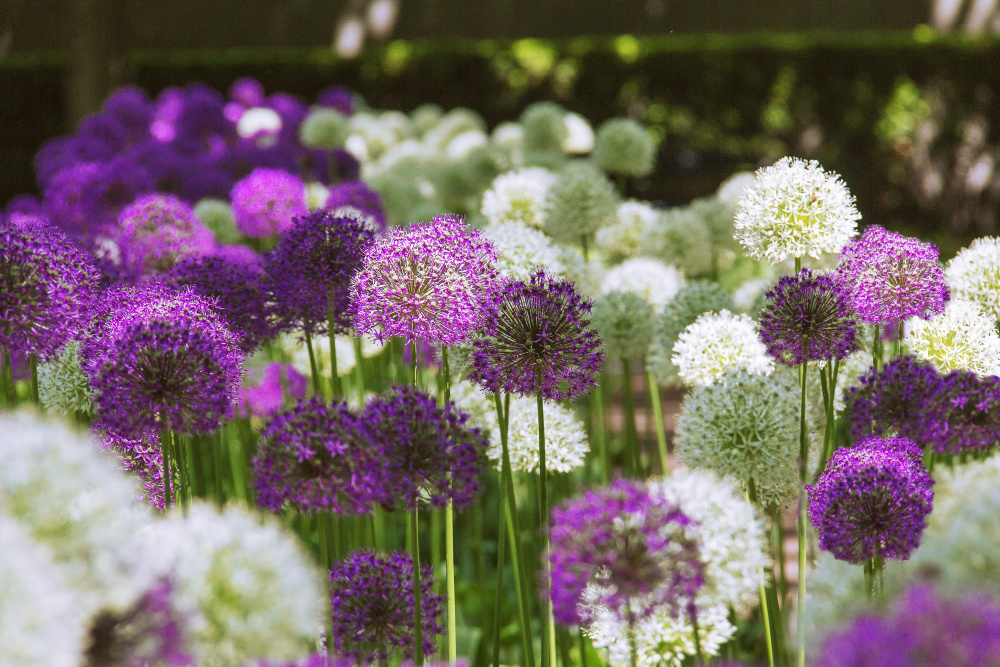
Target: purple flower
807, 318
631, 544
872, 501
963, 415
358, 195
337, 97
247, 91
537, 337
266, 202
893, 399
425, 281
317, 456
64, 199
200, 126
156, 232
141, 456
427, 453
118, 183
64, 152
277, 383
372, 603
889, 277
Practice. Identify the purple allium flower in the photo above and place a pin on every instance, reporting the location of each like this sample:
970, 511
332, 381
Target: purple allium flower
889, 276
631, 544
537, 337
872, 500
117, 184
427, 452
247, 91
358, 195
64, 152
963, 415
317, 456
278, 382
893, 400
425, 281
807, 318
156, 232
337, 97
64, 199
372, 602
140, 455
924, 629
266, 201
24, 205
200, 126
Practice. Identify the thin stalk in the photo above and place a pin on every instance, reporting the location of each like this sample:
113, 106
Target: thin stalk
877, 349
33, 365
548, 622
827, 388
583, 647
378, 528
661, 433
585, 247
165, 437
779, 542
751, 498
313, 368
413, 365
693, 613
7, 377
562, 639
359, 371
334, 376
417, 593
899, 338
597, 409
498, 591
798, 264
220, 497
237, 464
801, 518
449, 551
631, 433
875, 577
633, 649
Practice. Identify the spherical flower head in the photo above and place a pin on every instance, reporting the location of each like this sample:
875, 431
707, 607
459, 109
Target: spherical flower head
522, 250
734, 188
314, 457
518, 196
63, 387
651, 279
633, 545
717, 218
566, 443
624, 238
795, 208
544, 127
64, 200
893, 400
624, 320
217, 216
963, 336
581, 201
963, 415
357, 195
974, 274
890, 277
624, 147
681, 237
716, 343
141, 457
324, 128
872, 500
537, 338
427, 453
156, 232
278, 383
266, 202
425, 281
372, 607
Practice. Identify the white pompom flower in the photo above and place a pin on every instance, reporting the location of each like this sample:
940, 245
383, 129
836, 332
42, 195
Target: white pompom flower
716, 343
732, 190
651, 279
963, 336
522, 249
624, 238
579, 138
566, 443
974, 275
518, 196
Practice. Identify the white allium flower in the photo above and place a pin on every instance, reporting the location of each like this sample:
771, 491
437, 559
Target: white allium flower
579, 138
321, 350
522, 249
749, 295
849, 374
624, 238
248, 589
566, 443
63, 388
258, 120
316, 195
974, 275
716, 343
794, 209
480, 407
518, 196
452, 124
651, 279
460, 147
732, 190
963, 336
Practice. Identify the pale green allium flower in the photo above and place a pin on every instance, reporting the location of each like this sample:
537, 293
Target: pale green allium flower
544, 127
963, 336
587, 276
974, 275
63, 388
518, 196
217, 215
651, 279
625, 238
324, 128
454, 123
624, 147
581, 201
624, 321
716, 343
521, 250
681, 238
426, 116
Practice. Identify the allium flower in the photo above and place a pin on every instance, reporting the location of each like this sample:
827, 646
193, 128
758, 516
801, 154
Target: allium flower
63, 387
623, 146
795, 208
141, 456
651, 279
808, 318
974, 274
717, 217
217, 216
425, 281
372, 604
849, 375
734, 188
625, 323
680, 237
247, 589
64, 200
624, 238
963, 415
518, 196
581, 201
261, 124
719, 342
314, 457
744, 426
357, 195
522, 250
266, 202
749, 297
963, 336
566, 443
537, 338
278, 383
544, 127
633, 545
324, 128
579, 134
872, 500
156, 232
425, 452
893, 400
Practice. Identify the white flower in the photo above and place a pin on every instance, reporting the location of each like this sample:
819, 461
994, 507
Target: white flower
480, 407
732, 190
624, 238
460, 147
716, 343
248, 589
518, 196
565, 438
521, 250
651, 279
795, 208
748, 295
316, 196
258, 121
974, 275
963, 336
579, 135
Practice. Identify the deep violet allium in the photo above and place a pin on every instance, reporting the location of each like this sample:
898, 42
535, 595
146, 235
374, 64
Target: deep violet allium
537, 337
963, 415
893, 400
633, 545
807, 317
156, 231
266, 202
872, 500
358, 195
371, 598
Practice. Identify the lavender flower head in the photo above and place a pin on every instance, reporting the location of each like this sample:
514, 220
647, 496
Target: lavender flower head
890, 277
872, 500
156, 231
277, 383
808, 318
893, 400
64, 199
537, 337
425, 281
963, 415
358, 195
266, 202
316, 456
371, 598
631, 544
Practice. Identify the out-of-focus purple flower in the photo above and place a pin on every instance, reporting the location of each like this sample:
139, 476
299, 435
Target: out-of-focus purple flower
337, 97
130, 107
200, 127
807, 317
963, 415
372, 607
631, 544
247, 91
64, 152
893, 400
872, 500
156, 232
537, 337
278, 383
266, 202
246, 156
24, 205
292, 111
117, 184
189, 177
358, 195
239, 254
64, 200
427, 355
140, 455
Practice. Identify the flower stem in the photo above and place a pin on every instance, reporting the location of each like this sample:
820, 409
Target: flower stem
548, 622
875, 577
33, 364
417, 593
359, 372
801, 518
583, 647
827, 386
631, 433
498, 591
661, 433
597, 410
413, 363
313, 368
877, 349
899, 338
449, 536
334, 376
7, 377
165, 456
693, 614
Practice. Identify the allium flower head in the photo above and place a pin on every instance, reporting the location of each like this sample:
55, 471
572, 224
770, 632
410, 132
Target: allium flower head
872, 500
518, 196
425, 281
963, 414
522, 250
749, 297
372, 604
566, 443
623, 146
266, 202
324, 128
974, 274
892, 277
141, 456
581, 201
624, 238
357, 195
63, 387
537, 338
651, 279
544, 127
893, 400
156, 232
808, 318
217, 216
719, 342
795, 208
963, 336
624, 320
680, 237
278, 383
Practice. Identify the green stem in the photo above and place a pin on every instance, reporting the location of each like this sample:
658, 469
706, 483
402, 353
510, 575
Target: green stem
798, 264
220, 497
417, 592
237, 464
583, 647
801, 518
827, 388
597, 409
449, 551
899, 338
875, 577
413, 365
585, 247
499, 590
751, 498
693, 614
33, 365
313, 368
548, 622
661, 433
334, 376
359, 372
631, 433
7, 377
165, 437
877, 349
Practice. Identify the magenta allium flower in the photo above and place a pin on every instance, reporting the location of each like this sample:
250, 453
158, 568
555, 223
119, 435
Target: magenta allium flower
537, 337
140, 455
872, 500
278, 383
631, 544
893, 400
963, 415
889, 277
358, 195
266, 202
807, 317
156, 232
425, 281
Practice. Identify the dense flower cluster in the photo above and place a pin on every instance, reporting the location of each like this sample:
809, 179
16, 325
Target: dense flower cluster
651, 279
278, 383
267, 201
522, 250
963, 414
625, 323
623, 146
893, 399
579, 202
963, 336
140, 455
623, 239
974, 274
63, 388
156, 231
716, 343
518, 196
